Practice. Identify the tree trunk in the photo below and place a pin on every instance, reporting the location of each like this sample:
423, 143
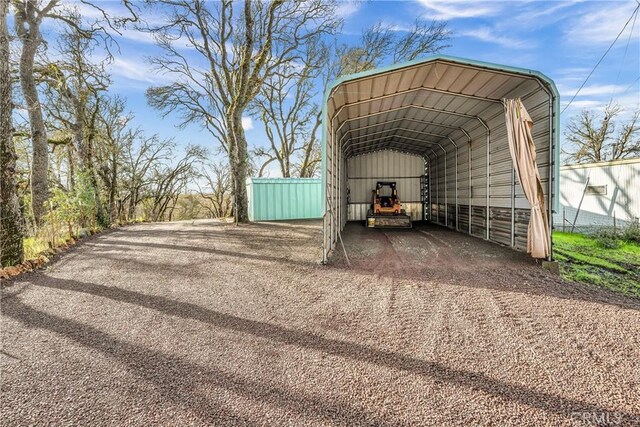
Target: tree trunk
31, 39
113, 188
84, 146
238, 163
11, 230
133, 202
71, 178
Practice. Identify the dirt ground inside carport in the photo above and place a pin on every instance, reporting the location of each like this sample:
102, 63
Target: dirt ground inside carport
201, 323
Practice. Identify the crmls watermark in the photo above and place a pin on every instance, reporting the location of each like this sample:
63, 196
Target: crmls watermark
596, 418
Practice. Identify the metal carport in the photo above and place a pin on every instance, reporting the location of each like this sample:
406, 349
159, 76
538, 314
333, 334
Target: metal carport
449, 112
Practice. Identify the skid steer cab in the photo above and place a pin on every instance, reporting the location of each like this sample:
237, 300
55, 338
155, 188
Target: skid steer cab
386, 210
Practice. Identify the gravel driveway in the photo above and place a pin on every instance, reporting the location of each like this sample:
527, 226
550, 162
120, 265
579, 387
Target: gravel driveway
210, 324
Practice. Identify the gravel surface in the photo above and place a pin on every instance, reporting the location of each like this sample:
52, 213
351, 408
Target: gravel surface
210, 324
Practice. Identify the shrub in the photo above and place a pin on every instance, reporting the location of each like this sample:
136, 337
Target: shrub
632, 232
607, 239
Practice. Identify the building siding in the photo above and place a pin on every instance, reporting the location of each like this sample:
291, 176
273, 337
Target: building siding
621, 200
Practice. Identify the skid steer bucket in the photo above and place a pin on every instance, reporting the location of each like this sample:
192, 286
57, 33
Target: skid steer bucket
389, 221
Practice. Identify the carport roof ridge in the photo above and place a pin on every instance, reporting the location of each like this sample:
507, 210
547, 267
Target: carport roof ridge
444, 58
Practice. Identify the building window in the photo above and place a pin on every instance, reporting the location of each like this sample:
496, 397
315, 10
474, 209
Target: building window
596, 190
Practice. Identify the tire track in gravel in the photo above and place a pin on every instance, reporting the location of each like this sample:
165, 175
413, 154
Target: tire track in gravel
443, 319
410, 314
527, 334
551, 344
481, 330
393, 262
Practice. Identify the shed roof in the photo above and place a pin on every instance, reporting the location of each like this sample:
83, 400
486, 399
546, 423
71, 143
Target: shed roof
416, 106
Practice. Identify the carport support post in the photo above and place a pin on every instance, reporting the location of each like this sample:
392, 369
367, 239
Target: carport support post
427, 189
446, 202
430, 187
437, 188
551, 175
513, 207
337, 195
488, 184
330, 192
456, 146
334, 202
553, 123
332, 188
470, 184
469, 176
488, 179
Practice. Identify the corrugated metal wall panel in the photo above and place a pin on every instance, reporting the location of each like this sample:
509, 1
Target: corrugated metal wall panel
284, 198
364, 171
360, 189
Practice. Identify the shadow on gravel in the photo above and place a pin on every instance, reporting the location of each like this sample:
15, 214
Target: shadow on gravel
149, 363
180, 380
125, 245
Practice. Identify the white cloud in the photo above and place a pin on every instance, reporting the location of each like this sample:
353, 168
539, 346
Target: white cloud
87, 11
573, 72
593, 90
347, 8
131, 69
489, 35
136, 69
455, 9
247, 123
629, 102
587, 103
601, 24
540, 13
137, 36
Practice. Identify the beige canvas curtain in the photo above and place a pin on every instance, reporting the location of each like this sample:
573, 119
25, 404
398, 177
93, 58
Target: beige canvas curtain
523, 154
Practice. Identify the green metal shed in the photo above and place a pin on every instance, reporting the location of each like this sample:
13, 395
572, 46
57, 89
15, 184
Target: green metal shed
273, 199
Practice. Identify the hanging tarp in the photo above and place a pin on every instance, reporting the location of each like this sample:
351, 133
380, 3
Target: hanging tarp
523, 154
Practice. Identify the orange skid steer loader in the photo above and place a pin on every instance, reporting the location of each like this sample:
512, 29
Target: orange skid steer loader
386, 210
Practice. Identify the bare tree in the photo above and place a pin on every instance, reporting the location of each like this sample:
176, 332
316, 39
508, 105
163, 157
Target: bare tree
29, 15
286, 107
140, 155
74, 85
11, 229
285, 104
168, 182
115, 135
241, 49
382, 43
592, 136
216, 189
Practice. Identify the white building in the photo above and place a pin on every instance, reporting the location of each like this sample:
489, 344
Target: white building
600, 193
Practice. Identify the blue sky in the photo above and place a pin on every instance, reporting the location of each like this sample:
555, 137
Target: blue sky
563, 39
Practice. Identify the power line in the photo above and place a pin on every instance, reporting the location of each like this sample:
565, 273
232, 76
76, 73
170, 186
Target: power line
634, 82
624, 57
602, 58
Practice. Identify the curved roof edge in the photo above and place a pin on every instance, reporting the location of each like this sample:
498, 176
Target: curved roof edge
543, 78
